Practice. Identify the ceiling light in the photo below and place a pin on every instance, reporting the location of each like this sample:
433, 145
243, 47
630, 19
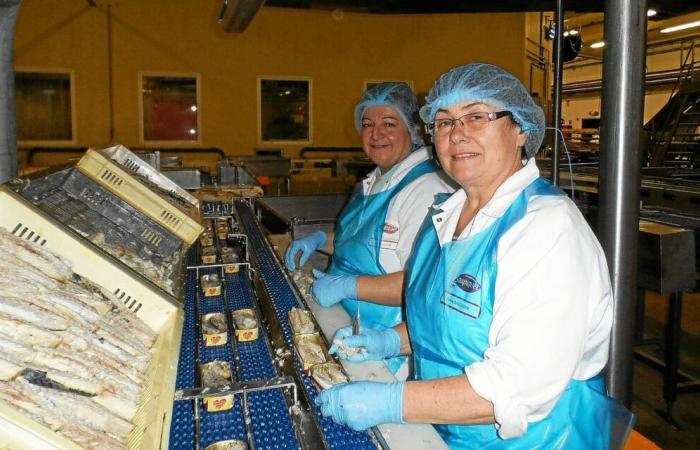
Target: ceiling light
651, 13
193, 108
573, 32
683, 26
599, 44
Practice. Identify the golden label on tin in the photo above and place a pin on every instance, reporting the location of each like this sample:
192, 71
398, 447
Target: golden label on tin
231, 269
209, 259
212, 340
247, 335
212, 291
214, 404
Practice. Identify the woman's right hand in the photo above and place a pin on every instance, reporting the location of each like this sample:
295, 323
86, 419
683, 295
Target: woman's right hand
306, 245
370, 344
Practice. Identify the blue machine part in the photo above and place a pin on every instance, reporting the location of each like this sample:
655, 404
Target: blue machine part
182, 427
283, 299
185, 365
222, 425
194, 255
271, 424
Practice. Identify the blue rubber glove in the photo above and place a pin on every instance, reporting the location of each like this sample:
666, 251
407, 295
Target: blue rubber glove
377, 344
330, 289
363, 404
306, 245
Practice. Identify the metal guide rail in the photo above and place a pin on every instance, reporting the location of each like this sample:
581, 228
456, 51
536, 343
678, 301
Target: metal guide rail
283, 299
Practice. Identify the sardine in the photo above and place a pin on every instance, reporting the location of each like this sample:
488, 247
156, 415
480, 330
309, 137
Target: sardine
29, 334
31, 314
80, 409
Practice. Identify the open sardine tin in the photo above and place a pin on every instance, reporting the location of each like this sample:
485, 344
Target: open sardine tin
209, 255
217, 374
311, 350
207, 238
212, 339
229, 256
301, 322
229, 444
246, 324
328, 374
211, 285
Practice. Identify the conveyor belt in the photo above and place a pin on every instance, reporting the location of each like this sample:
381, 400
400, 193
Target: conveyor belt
283, 299
270, 422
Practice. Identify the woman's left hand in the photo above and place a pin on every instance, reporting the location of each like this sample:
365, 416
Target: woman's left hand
363, 404
330, 289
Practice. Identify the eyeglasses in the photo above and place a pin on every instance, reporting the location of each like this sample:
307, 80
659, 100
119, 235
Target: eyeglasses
473, 121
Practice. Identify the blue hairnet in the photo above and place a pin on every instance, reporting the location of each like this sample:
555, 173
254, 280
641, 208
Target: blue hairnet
491, 85
397, 96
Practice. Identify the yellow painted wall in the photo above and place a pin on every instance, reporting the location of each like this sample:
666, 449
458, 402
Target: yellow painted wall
337, 51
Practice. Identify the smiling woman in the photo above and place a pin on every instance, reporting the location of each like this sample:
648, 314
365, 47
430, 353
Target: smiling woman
377, 229
385, 138
515, 285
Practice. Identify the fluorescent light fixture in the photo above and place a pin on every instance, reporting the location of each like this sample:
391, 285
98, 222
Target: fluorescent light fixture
598, 44
683, 26
651, 13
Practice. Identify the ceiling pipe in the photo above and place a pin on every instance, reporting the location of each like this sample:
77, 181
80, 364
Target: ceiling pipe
236, 15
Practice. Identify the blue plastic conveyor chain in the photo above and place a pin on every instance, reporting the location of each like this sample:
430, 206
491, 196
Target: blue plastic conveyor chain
271, 425
280, 292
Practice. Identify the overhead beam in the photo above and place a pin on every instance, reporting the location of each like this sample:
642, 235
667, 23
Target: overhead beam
237, 14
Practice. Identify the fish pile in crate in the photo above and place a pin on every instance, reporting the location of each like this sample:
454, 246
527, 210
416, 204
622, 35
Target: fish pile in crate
72, 357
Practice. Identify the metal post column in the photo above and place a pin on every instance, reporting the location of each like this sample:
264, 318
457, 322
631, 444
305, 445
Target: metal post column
558, 77
619, 177
8, 131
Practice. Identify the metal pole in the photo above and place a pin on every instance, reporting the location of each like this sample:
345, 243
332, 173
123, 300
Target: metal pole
619, 178
8, 124
558, 76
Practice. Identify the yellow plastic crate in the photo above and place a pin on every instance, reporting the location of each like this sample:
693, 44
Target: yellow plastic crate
158, 310
108, 174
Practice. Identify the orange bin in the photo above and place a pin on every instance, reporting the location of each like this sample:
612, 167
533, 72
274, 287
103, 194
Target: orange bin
637, 441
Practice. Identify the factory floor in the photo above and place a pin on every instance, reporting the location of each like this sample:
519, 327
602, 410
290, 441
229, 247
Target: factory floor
648, 399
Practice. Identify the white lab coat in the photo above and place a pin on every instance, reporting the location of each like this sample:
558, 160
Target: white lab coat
553, 308
407, 209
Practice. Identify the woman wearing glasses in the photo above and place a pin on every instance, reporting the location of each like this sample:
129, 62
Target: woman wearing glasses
376, 230
509, 304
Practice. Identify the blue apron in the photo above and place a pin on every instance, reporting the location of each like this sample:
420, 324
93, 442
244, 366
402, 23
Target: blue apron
449, 301
358, 237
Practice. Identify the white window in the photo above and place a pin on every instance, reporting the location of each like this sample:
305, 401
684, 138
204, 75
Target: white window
44, 102
284, 110
170, 108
